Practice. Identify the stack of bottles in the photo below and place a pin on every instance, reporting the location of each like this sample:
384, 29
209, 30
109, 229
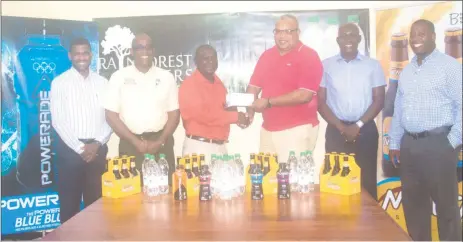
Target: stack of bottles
121, 177
228, 179
155, 176
340, 179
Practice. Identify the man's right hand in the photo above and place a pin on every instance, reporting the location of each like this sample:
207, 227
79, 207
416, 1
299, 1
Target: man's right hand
250, 113
394, 155
141, 146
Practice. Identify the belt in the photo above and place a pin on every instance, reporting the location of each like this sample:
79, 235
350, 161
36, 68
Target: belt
87, 141
427, 133
214, 141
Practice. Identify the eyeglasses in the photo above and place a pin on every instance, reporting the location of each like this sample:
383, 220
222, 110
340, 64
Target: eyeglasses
285, 31
142, 47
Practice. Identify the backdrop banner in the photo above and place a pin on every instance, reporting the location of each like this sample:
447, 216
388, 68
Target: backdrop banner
394, 53
34, 51
239, 38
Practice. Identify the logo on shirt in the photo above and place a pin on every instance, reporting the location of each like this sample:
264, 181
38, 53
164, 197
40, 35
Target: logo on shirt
157, 81
129, 81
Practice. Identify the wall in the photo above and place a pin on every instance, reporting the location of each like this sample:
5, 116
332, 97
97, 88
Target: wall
87, 10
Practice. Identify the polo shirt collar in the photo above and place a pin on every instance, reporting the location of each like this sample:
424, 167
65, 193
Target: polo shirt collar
199, 76
152, 69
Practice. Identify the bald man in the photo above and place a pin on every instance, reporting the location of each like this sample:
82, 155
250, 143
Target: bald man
142, 106
351, 95
288, 75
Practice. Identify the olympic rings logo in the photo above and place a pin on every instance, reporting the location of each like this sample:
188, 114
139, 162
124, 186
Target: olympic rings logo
44, 67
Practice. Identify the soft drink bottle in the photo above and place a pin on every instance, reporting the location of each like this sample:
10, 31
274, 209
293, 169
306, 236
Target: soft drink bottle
133, 169
195, 164
179, 183
125, 167
164, 174
337, 165
256, 182
205, 183
283, 181
116, 173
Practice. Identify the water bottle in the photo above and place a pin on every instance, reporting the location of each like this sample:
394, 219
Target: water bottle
164, 174
303, 170
311, 164
241, 178
213, 170
293, 174
145, 173
151, 176
226, 179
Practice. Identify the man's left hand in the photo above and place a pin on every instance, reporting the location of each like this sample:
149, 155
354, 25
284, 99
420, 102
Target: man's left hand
260, 104
154, 146
90, 152
351, 132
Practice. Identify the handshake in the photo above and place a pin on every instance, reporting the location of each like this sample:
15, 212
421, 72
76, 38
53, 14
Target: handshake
244, 120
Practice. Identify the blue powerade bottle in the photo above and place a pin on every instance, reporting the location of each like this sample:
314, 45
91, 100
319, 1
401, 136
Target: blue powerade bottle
41, 60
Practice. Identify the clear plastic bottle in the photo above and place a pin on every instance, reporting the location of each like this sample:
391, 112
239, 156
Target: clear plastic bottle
226, 180
293, 173
150, 177
164, 174
303, 169
311, 167
240, 175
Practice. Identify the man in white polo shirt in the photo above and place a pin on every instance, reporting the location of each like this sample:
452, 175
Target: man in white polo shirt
142, 106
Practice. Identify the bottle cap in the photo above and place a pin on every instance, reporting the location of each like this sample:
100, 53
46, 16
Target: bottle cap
147, 156
162, 156
292, 152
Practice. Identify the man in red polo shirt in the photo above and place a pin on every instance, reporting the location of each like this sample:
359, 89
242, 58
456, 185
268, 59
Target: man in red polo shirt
202, 107
289, 75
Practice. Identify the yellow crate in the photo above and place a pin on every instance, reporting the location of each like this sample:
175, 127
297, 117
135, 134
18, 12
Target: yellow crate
122, 187
339, 183
269, 180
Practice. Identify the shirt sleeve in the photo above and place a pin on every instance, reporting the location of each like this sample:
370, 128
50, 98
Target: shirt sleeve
324, 76
60, 113
257, 77
396, 130
111, 100
454, 80
310, 72
192, 107
379, 79
172, 102
106, 131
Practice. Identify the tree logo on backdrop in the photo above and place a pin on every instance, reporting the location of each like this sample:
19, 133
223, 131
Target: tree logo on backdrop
118, 40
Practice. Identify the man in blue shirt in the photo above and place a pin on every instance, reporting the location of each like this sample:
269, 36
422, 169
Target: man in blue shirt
426, 134
351, 95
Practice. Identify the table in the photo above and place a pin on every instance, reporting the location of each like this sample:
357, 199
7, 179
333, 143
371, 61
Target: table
315, 216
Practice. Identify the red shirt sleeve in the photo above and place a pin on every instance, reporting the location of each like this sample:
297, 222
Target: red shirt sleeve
310, 70
259, 71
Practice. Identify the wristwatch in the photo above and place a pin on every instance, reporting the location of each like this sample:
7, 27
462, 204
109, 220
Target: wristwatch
359, 123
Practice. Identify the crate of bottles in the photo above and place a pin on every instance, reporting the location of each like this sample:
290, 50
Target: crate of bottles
121, 177
188, 172
268, 165
340, 174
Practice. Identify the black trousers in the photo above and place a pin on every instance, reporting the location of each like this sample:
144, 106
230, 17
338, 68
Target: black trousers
428, 171
365, 149
126, 148
77, 178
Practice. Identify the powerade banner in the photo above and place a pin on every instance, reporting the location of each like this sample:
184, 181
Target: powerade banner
394, 53
239, 38
34, 52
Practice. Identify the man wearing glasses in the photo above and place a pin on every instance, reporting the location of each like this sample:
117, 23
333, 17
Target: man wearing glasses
351, 95
288, 75
142, 106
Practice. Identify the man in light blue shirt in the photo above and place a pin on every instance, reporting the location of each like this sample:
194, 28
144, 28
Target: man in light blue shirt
351, 95
426, 134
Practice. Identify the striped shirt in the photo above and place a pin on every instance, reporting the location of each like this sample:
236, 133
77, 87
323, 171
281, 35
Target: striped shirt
76, 108
428, 97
